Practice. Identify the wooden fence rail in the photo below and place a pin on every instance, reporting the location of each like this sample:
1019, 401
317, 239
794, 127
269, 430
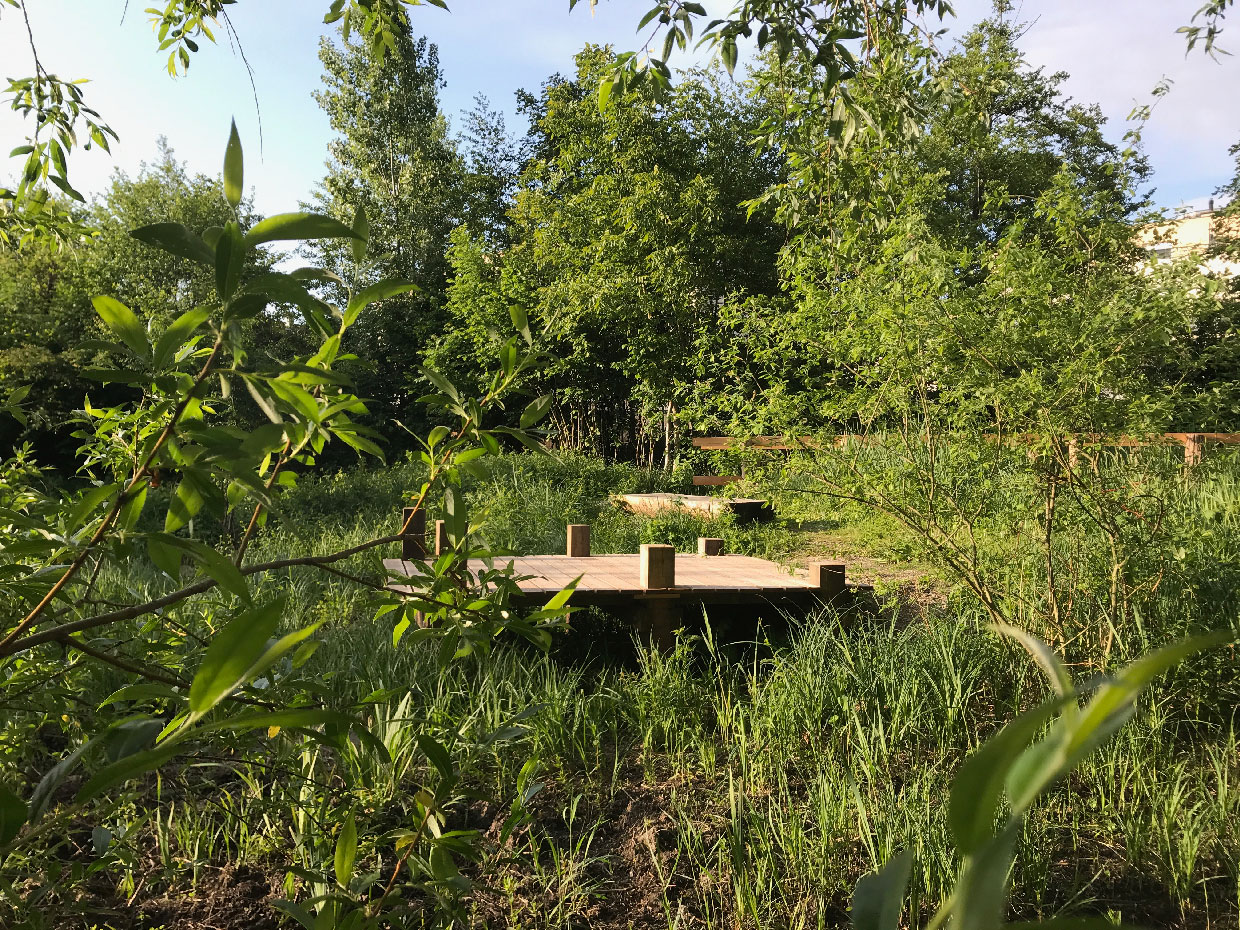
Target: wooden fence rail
1194, 445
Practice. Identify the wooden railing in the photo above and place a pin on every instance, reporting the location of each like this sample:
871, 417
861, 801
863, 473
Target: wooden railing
1194, 445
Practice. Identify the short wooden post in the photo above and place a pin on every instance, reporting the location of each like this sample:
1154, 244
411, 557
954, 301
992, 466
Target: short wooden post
413, 541
658, 566
578, 540
709, 545
1074, 451
1194, 449
828, 578
441, 537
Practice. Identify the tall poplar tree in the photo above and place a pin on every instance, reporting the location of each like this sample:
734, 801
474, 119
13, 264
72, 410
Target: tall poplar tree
393, 158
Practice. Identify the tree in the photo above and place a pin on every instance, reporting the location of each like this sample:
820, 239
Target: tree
394, 161
801, 30
43, 324
1210, 361
994, 136
627, 236
46, 315
491, 167
1005, 135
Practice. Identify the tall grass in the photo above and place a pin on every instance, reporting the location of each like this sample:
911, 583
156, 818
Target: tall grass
714, 786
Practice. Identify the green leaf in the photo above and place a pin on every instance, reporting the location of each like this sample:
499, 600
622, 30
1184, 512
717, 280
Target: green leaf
560, 598
41, 797
1106, 710
437, 755
131, 510
980, 896
292, 909
442, 866
284, 288
381, 290
123, 770
442, 383
233, 651
178, 335
13, 813
87, 505
606, 87
536, 410
233, 168
522, 437
456, 515
138, 692
114, 376
978, 786
214, 563
167, 558
229, 260
878, 899
304, 652
131, 736
176, 240
280, 647
121, 320
1054, 669
297, 226
346, 851
727, 51
520, 321
184, 505
1074, 736
101, 839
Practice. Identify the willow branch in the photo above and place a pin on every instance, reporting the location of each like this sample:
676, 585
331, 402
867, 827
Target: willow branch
121, 499
206, 584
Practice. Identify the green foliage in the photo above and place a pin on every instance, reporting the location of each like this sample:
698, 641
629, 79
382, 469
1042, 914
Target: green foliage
1004, 137
937, 255
394, 163
625, 238
245, 673
61, 116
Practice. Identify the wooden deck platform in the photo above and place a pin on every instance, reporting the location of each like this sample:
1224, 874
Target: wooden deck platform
608, 580
652, 587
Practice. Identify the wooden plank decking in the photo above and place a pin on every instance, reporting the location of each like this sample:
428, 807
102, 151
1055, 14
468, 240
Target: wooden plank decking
611, 579
651, 587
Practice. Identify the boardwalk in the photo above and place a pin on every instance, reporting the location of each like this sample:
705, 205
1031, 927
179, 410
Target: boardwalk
651, 588
616, 579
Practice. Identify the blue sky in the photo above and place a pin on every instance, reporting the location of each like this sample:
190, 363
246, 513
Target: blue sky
1115, 51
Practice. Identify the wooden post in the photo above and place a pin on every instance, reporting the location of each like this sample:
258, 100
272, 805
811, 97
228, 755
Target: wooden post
578, 540
413, 545
1194, 449
663, 617
658, 566
828, 578
442, 544
709, 545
